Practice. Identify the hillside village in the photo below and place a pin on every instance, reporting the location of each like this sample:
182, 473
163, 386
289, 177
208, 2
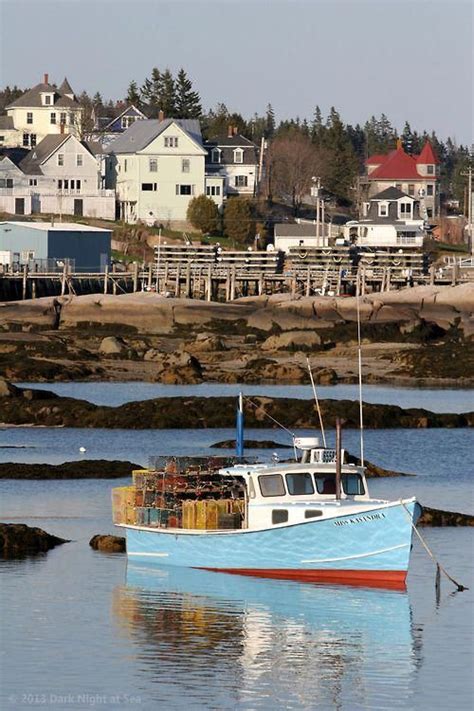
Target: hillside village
143, 167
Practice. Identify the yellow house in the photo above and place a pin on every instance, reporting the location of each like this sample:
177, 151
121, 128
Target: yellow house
41, 111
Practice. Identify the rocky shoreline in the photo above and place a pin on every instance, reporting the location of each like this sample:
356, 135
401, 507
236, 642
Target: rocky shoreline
27, 407
422, 335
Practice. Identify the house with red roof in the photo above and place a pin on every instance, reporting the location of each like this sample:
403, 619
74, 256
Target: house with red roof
415, 175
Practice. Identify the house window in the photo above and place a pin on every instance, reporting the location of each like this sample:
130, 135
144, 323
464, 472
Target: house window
2, 138
33, 182
398, 186
47, 99
213, 190
53, 117
126, 121
185, 165
32, 140
62, 118
27, 254
405, 208
383, 209
430, 169
6, 182
238, 155
171, 141
26, 140
215, 155
429, 212
241, 181
366, 208
411, 189
150, 187
29, 117
185, 190
60, 184
66, 185
79, 160
153, 165
60, 159
430, 190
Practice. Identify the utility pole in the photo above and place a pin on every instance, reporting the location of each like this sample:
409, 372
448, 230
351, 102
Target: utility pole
468, 174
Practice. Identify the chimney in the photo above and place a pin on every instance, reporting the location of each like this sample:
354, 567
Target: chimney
230, 132
399, 144
161, 115
46, 79
235, 130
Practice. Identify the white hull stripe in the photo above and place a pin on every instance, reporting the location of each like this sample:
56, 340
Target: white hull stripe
358, 555
152, 555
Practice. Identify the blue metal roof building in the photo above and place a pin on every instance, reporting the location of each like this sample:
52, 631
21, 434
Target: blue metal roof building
47, 247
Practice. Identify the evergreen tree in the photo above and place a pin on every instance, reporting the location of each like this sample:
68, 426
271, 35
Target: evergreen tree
343, 166
238, 220
152, 91
133, 95
167, 101
202, 213
317, 127
188, 102
269, 129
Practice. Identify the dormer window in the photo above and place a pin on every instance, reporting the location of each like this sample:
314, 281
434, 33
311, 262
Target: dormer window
47, 99
238, 155
127, 121
383, 209
430, 169
215, 155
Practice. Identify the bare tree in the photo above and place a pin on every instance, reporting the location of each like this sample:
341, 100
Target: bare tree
292, 163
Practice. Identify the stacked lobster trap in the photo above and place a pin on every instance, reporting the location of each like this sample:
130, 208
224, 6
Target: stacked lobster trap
182, 492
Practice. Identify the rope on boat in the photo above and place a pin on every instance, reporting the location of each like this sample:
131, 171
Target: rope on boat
439, 567
321, 425
259, 407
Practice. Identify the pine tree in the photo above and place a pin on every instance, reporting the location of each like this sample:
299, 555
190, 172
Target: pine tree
133, 95
238, 219
167, 99
317, 127
188, 102
269, 129
152, 91
343, 167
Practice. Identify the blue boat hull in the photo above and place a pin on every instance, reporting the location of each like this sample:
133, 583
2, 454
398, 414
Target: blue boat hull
372, 547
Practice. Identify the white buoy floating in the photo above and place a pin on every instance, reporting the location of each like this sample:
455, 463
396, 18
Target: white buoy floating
82, 449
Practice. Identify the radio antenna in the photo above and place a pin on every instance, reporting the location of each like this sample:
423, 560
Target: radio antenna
359, 348
321, 426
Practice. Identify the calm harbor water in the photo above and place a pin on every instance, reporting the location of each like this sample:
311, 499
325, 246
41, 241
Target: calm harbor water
80, 629
114, 394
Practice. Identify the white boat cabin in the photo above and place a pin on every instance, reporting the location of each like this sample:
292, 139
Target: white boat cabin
291, 493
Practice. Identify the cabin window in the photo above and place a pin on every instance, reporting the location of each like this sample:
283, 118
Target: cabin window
313, 513
325, 484
251, 488
352, 484
272, 485
299, 484
279, 516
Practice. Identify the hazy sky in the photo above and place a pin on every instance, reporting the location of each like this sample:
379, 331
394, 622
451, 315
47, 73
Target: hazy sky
411, 59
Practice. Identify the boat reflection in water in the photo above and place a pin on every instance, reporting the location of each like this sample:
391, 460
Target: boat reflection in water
243, 639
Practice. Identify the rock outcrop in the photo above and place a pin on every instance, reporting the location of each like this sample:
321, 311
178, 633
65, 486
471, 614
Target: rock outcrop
18, 540
108, 544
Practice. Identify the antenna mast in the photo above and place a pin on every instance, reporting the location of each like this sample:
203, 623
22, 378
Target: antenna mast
317, 402
359, 348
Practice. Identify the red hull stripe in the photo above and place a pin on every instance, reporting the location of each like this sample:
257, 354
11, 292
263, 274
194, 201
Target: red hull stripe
393, 579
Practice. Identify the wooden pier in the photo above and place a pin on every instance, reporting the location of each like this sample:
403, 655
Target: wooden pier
210, 274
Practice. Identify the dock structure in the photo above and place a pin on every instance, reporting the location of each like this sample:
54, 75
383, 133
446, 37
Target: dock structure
208, 273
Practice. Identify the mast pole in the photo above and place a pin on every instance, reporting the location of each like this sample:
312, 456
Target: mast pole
359, 348
239, 442
338, 458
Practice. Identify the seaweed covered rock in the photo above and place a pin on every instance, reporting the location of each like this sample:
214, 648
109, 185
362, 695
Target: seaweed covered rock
108, 544
18, 540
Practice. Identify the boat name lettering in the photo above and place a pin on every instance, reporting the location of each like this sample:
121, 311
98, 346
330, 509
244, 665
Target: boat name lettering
360, 519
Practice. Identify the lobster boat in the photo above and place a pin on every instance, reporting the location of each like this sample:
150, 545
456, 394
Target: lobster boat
311, 519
